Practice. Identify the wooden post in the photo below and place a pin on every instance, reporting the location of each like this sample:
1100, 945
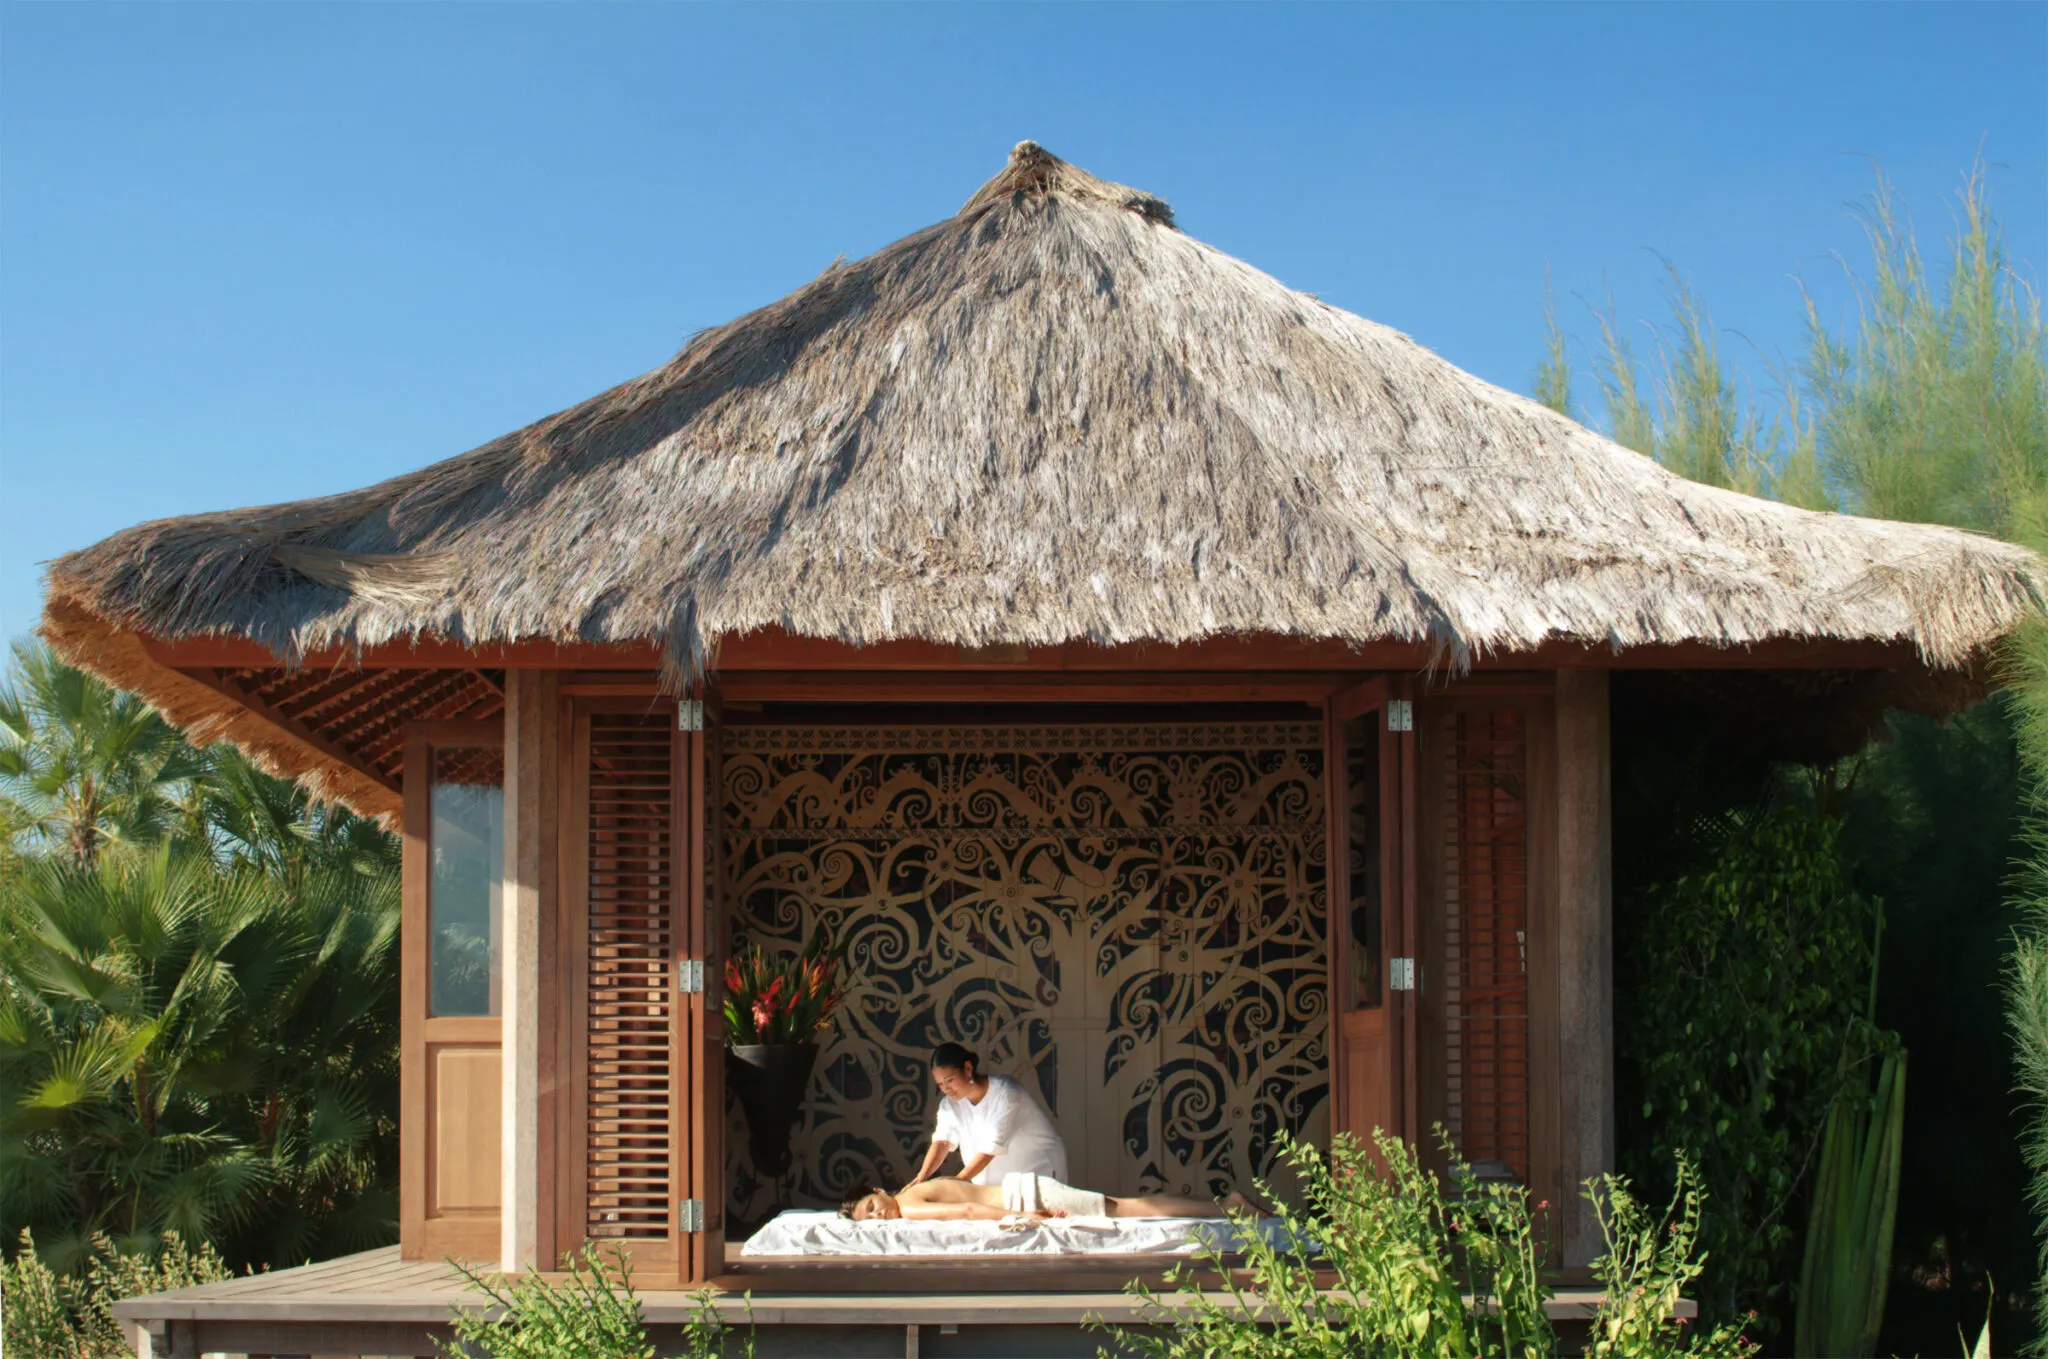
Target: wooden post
532, 738
1585, 950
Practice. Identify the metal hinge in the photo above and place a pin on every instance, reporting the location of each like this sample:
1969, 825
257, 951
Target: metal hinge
690, 976
690, 715
692, 1215
1400, 974
1400, 714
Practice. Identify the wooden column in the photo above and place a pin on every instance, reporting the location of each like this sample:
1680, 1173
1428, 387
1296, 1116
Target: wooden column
532, 739
1585, 950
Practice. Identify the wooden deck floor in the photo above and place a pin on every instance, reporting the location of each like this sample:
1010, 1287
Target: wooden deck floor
377, 1304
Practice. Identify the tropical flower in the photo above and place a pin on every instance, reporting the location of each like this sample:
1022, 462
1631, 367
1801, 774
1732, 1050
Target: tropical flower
774, 998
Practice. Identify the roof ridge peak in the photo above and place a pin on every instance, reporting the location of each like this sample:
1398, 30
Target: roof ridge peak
1034, 172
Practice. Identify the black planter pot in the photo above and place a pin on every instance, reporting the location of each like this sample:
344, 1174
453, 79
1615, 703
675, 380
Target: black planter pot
769, 1080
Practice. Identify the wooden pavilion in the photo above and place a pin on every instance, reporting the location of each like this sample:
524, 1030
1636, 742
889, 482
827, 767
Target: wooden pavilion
1192, 694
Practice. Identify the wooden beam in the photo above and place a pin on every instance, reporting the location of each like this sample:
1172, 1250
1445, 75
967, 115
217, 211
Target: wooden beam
941, 686
445, 703
292, 727
278, 688
772, 649
1584, 935
329, 692
368, 713
381, 725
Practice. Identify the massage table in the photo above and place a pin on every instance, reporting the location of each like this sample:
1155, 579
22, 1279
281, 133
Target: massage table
812, 1233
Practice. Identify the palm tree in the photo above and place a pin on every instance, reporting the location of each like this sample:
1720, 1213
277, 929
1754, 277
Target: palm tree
113, 991
275, 826
195, 1045
198, 1033
83, 765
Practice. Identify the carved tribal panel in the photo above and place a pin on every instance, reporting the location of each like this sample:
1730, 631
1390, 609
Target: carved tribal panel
1129, 920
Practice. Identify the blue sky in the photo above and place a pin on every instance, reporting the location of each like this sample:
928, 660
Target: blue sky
250, 253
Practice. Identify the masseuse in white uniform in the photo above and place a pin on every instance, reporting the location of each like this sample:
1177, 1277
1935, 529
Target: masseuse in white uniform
998, 1128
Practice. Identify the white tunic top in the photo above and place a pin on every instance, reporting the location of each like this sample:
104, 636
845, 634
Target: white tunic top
1008, 1125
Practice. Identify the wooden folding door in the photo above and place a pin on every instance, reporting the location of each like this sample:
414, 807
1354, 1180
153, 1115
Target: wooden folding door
1488, 933
1369, 749
450, 998
639, 1167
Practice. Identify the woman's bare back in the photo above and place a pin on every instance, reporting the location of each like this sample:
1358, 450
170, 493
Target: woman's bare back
950, 1199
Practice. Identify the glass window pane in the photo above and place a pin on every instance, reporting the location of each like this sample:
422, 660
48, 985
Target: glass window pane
1362, 870
466, 839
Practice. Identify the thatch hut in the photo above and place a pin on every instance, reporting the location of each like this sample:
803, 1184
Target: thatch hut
1046, 566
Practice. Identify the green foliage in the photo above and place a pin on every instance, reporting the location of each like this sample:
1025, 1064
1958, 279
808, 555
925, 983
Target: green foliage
1931, 406
1421, 1272
2027, 1011
1742, 984
2026, 980
1847, 1271
193, 1046
1404, 1256
59, 1316
1935, 408
196, 1012
1631, 409
253, 820
1931, 822
83, 765
1687, 411
1648, 1266
1553, 385
590, 1314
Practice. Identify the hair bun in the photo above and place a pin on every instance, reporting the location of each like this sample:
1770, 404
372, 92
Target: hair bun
953, 1055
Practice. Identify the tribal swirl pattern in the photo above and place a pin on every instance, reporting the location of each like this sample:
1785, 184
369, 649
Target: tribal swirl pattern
1129, 920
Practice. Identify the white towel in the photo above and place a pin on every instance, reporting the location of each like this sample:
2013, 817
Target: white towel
1027, 1192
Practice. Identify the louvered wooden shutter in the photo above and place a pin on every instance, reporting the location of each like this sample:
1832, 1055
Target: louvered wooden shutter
1486, 934
629, 988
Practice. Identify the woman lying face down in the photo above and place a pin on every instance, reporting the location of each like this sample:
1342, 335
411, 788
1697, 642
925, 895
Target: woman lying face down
1023, 1194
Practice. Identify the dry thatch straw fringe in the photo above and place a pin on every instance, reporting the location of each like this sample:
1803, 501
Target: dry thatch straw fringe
1052, 417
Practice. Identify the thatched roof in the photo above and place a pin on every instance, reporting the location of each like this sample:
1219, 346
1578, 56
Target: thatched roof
1051, 417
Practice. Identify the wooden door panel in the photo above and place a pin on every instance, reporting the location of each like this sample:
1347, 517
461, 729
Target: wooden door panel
1485, 907
619, 892
1372, 1031
1487, 953
450, 1110
465, 1175
1368, 1093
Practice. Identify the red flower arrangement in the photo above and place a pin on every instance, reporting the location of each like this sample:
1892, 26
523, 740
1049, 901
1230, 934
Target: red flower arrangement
776, 999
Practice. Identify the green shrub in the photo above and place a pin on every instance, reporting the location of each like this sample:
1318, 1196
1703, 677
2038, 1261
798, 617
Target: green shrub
1425, 1272
198, 991
1739, 989
70, 1316
1927, 400
1648, 1266
199, 1047
592, 1314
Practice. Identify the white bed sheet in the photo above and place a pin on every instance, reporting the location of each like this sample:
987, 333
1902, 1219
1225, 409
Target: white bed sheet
799, 1231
